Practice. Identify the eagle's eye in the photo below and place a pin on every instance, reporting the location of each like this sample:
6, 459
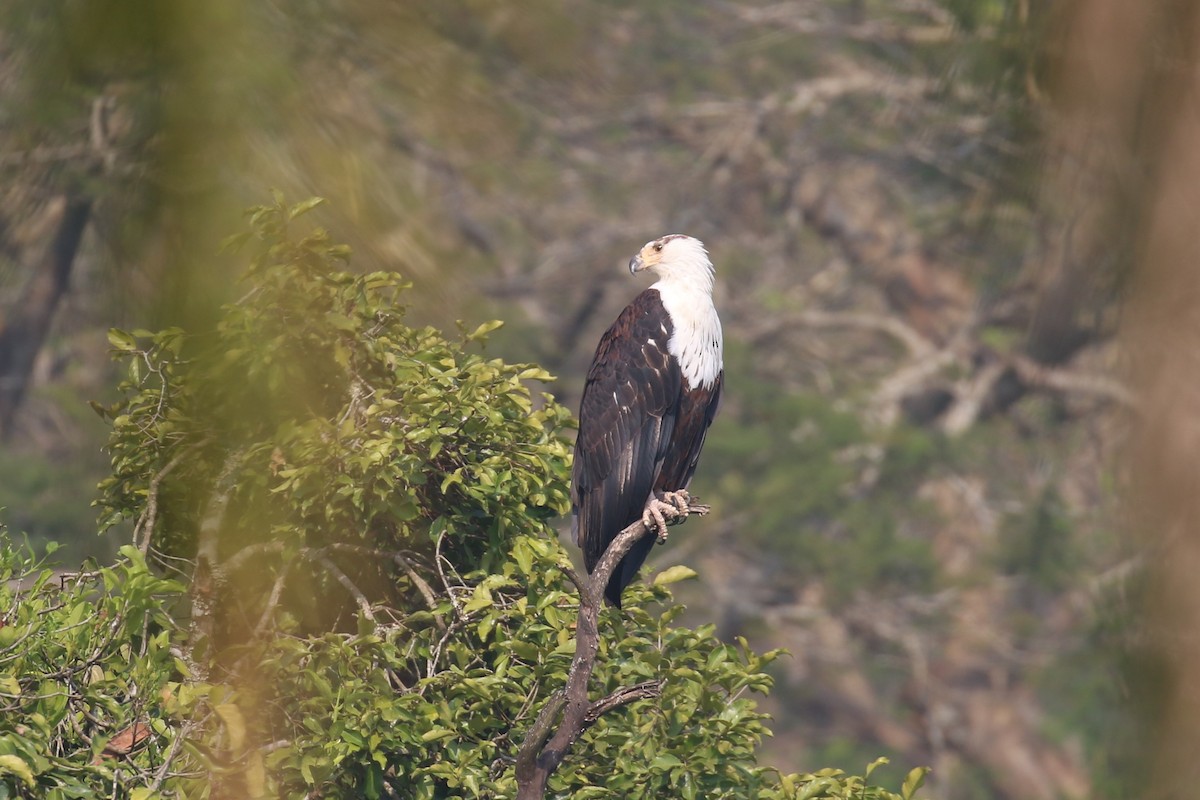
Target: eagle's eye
658, 247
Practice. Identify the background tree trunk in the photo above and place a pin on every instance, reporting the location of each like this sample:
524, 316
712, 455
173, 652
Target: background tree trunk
24, 328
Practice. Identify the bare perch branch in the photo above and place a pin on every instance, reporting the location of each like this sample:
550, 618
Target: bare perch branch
624, 542
539, 757
536, 738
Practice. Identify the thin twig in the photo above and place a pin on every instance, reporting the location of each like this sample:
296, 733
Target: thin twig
1063, 380
242, 557
438, 560
364, 604
172, 752
143, 532
621, 697
272, 599
913, 340
422, 585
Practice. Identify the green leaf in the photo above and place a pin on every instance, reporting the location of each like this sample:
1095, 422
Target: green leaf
535, 374
452, 479
483, 330
15, 765
304, 206
235, 725
437, 734
523, 555
666, 761
480, 598
404, 508
674, 574
120, 340
913, 782
816, 788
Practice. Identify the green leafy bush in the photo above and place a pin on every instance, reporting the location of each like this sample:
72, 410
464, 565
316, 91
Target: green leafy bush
313, 417
84, 658
372, 602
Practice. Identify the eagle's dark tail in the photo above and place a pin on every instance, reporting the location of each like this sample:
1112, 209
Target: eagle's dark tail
627, 570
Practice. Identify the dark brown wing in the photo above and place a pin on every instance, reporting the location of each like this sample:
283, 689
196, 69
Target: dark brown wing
697, 409
627, 419
695, 412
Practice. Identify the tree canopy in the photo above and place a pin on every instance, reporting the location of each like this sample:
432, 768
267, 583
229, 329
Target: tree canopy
343, 581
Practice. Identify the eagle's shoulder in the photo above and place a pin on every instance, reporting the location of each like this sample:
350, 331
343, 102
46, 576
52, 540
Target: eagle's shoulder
645, 320
633, 370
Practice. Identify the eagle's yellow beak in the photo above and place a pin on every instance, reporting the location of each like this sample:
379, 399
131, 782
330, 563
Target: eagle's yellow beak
636, 264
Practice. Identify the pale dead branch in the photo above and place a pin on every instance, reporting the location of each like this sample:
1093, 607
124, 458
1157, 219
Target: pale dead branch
143, 531
364, 605
1063, 380
972, 397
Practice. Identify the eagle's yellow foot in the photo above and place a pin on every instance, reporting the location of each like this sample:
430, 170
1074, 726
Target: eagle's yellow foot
664, 508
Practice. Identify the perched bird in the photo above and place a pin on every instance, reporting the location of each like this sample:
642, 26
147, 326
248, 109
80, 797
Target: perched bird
651, 393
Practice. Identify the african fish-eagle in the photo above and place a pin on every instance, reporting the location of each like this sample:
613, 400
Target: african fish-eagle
651, 393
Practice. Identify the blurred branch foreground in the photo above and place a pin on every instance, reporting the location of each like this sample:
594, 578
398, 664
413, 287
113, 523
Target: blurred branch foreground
1156, 96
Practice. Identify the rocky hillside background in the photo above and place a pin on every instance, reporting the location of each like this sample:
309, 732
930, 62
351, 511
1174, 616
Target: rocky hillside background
921, 261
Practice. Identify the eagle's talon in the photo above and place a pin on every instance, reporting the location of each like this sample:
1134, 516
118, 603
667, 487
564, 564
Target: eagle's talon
659, 513
680, 500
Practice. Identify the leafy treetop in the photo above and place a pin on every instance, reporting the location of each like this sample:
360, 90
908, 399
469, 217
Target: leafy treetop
367, 598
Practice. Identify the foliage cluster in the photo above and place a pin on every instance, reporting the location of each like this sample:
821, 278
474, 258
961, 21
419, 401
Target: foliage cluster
85, 662
367, 597
88, 657
313, 421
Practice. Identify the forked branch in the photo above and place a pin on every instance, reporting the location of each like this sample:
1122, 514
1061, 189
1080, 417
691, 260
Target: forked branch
545, 746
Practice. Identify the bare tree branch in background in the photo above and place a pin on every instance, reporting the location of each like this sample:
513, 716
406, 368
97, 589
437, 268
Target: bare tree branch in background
24, 328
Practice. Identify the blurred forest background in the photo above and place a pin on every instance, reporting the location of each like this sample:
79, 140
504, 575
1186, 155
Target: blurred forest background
925, 216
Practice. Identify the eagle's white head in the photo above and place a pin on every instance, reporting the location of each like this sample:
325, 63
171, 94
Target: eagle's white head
678, 260
685, 285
